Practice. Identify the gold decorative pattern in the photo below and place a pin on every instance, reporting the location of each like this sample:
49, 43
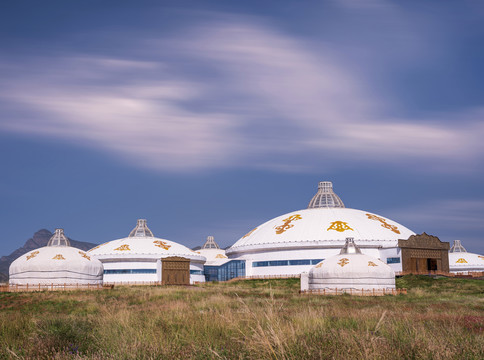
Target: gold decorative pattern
371, 263
287, 223
96, 247
84, 255
161, 244
343, 262
461, 261
220, 256
58, 257
480, 257
339, 226
32, 255
384, 223
124, 247
249, 233
319, 265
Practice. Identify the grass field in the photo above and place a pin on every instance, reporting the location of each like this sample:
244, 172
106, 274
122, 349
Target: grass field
257, 319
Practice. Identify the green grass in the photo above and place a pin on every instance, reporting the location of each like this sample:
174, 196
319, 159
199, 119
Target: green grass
257, 319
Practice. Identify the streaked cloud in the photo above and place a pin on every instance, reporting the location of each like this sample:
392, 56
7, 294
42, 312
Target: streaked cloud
228, 94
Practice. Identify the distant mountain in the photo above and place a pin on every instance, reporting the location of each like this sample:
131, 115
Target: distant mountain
40, 239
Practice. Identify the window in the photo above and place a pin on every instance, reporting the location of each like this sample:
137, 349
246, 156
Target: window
286, 262
196, 272
130, 271
393, 260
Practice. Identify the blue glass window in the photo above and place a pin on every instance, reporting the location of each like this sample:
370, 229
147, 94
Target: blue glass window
130, 271
224, 272
196, 272
393, 260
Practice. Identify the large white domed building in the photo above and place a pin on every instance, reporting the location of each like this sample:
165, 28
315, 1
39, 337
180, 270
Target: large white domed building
56, 264
461, 261
349, 270
292, 243
143, 258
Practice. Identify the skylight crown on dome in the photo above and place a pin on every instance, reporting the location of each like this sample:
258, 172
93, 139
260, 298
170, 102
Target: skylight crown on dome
141, 230
325, 197
59, 239
457, 247
350, 247
210, 243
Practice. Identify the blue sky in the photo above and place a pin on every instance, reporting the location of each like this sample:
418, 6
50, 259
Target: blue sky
211, 117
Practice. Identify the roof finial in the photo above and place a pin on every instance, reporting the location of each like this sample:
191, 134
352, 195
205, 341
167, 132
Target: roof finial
457, 247
59, 239
350, 247
325, 197
210, 243
141, 230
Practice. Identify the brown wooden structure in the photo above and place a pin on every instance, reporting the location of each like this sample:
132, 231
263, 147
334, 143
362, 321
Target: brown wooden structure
424, 253
175, 271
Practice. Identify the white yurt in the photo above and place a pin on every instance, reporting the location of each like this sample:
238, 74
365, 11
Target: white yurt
213, 253
349, 270
294, 242
461, 261
57, 263
143, 258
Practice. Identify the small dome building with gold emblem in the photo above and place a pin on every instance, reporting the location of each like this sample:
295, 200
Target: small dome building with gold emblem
215, 266
292, 243
143, 258
461, 261
349, 270
56, 264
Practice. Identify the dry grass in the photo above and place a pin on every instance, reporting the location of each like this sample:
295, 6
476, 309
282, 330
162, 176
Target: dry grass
258, 319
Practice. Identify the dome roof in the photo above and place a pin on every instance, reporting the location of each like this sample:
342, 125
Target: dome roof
56, 263
317, 227
351, 269
213, 253
465, 261
142, 243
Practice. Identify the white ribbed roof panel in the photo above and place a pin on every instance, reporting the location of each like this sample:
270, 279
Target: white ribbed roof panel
322, 227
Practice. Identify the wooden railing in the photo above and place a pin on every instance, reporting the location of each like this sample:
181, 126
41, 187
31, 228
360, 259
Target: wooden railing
472, 274
51, 287
356, 292
265, 277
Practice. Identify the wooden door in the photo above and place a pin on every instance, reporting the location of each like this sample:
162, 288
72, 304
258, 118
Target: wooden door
175, 271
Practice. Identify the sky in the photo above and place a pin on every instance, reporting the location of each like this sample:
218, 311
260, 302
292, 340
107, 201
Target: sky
212, 117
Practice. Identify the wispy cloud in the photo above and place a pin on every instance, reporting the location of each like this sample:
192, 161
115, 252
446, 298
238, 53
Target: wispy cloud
238, 94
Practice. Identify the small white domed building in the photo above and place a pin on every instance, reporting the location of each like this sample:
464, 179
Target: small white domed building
143, 258
461, 261
349, 270
213, 253
292, 243
56, 264
214, 268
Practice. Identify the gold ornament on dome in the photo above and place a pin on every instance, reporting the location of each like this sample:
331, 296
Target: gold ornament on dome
58, 257
343, 262
461, 261
287, 223
339, 226
32, 255
319, 265
161, 244
384, 223
124, 247
84, 255
371, 263
220, 256
96, 247
249, 233
480, 257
